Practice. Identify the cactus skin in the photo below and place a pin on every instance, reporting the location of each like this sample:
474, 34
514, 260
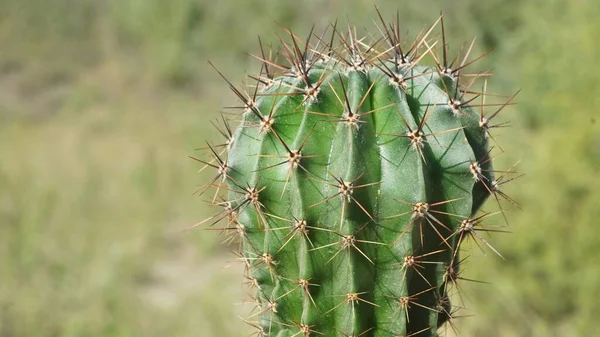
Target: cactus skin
350, 183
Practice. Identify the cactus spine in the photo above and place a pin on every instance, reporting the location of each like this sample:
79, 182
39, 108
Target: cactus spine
355, 175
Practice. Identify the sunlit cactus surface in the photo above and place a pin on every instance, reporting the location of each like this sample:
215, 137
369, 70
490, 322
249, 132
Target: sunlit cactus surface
357, 170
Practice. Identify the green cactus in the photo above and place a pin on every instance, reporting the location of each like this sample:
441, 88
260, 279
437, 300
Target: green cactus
353, 178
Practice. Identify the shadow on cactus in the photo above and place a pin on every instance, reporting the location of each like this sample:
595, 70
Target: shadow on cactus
355, 174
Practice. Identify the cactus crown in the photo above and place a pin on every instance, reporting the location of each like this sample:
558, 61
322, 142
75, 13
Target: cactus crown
353, 178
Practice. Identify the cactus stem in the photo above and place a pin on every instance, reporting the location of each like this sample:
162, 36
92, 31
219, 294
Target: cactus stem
317, 143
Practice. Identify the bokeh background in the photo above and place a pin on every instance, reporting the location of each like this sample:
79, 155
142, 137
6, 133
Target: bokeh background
102, 101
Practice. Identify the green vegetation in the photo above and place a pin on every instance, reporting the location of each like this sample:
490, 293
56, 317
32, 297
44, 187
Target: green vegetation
101, 102
352, 182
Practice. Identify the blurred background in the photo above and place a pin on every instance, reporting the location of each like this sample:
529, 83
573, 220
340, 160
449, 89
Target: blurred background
102, 102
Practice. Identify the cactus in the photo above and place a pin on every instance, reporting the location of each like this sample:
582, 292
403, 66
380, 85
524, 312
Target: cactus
354, 176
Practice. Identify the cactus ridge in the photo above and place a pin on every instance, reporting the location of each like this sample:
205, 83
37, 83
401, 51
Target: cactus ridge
354, 176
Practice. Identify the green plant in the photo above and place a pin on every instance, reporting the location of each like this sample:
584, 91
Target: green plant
355, 175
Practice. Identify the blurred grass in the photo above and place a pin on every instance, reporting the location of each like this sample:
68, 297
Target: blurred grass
101, 102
